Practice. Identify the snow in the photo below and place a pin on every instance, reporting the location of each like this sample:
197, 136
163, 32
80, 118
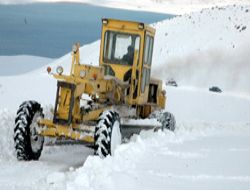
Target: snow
202, 105
210, 147
187, 159
20, 64
162, 6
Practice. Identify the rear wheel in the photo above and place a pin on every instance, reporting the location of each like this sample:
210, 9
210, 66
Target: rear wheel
28, 143
167, 120
107, 134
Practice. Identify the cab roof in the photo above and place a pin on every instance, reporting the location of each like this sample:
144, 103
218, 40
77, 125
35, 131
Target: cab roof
127, 25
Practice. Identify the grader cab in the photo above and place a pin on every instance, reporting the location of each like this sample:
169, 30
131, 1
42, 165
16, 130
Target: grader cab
119, 88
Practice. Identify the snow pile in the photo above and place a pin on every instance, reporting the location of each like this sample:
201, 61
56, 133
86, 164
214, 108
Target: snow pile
194, 155
7, 130
206, 48
163, 6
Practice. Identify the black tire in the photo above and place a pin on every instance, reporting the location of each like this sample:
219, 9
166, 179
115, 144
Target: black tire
28, 143
167, 120
108, 124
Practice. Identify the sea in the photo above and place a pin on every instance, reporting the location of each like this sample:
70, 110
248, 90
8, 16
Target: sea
50, 29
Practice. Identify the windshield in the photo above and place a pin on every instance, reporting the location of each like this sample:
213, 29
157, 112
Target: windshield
119, 48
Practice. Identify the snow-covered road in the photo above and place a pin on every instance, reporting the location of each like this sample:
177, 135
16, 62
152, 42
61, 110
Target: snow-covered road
38, 174
197, 156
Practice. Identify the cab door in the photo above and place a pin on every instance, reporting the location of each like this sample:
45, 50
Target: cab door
146, 67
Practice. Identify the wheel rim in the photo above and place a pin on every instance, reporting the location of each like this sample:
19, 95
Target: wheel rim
116, 137
36, 141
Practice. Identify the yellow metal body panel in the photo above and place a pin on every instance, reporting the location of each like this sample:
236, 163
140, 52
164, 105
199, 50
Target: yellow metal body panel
64, 103
53, 130
92, 115
103, 90
120, 70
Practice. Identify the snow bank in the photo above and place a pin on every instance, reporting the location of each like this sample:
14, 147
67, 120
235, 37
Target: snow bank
195, 154
7, 130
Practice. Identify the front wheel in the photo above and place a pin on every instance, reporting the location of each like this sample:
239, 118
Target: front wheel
107, 134
28, 143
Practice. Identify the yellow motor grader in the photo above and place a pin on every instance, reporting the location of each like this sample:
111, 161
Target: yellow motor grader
92, 100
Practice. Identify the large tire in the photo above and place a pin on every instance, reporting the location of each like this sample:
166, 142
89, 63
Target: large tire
167, 120
107, 134
28, 143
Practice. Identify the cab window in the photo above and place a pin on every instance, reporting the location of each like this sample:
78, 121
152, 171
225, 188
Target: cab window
145, 78
119, 47
148, 50
147, 60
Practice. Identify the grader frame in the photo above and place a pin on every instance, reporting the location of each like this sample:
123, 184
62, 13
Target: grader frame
111, 84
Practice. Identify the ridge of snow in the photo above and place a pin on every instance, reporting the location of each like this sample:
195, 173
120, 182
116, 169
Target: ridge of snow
192, 156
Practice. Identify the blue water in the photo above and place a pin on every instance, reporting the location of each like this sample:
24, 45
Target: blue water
50, 29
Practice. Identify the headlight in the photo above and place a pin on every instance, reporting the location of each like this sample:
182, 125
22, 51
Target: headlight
49, 69
59, 70
105, 21
82, 73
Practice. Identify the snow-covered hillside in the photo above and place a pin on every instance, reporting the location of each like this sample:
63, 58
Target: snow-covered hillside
163, 6
210, 147
207, 48
20, 64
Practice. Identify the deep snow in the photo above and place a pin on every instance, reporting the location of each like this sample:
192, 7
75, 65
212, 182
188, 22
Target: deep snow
196, 155
210, 147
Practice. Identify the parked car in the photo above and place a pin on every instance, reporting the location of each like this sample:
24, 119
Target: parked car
171, 82
215, 89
